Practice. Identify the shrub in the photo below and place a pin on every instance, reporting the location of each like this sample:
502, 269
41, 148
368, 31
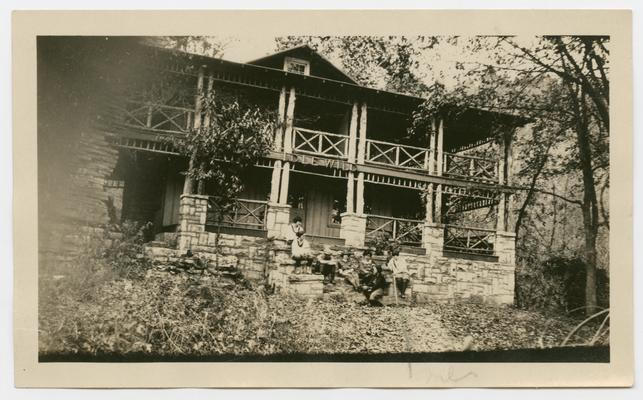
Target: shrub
557, 284
382, 243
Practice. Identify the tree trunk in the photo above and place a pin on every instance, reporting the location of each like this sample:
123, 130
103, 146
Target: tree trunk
590, 206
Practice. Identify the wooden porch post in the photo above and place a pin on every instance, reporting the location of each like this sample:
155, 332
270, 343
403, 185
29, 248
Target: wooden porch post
428, 218
352, 149
440, 157
285, 171
188, 185
361, 151
285, 180
274, 182
361, 148
279, 133
206, 123
281, 117
359, 202
290, 114
432, 149
502, 201
508, 180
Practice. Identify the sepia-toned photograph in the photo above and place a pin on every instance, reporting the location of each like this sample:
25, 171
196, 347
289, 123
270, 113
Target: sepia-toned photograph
320, 205
323, 198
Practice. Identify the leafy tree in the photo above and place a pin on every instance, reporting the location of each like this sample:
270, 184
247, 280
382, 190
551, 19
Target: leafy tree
383, 62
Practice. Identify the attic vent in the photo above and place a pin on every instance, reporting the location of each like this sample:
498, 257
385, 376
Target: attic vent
297, 66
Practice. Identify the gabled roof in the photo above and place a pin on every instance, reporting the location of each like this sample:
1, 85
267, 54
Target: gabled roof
320, 66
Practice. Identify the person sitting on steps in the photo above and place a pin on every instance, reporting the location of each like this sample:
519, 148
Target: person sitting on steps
373, 289
398, 265
328, 265
300, 248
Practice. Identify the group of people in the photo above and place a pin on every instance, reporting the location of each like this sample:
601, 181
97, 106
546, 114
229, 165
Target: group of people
366, 276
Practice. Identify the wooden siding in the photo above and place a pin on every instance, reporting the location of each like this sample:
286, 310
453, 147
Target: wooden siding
173, 190
312, 199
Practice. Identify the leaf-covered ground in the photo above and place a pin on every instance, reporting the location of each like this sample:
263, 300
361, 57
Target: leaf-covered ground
165, 314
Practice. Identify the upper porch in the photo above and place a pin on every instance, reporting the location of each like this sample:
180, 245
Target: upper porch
321, 119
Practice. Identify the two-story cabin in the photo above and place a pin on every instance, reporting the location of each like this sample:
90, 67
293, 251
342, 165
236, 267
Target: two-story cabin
343, 160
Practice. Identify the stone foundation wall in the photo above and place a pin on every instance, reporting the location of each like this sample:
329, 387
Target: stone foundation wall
435, 277
450, 279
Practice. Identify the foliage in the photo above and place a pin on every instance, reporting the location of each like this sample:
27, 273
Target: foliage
382, 243
233, 137
557, 285
110, 252
206, 45
383, 62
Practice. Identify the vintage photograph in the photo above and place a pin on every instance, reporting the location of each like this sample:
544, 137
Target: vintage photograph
323, 198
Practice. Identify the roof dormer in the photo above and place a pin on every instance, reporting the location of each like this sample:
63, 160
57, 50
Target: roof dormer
305, 61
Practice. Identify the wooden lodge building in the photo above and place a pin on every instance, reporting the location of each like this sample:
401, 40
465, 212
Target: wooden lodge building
342, 159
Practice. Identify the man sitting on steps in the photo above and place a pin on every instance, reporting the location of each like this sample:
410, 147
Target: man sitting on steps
397, 264
374, 286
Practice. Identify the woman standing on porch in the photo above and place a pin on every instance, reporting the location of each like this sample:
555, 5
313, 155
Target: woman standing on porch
300, 249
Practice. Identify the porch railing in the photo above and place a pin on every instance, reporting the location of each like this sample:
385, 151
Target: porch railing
470, 167
406, 231
469, 240
320, 143
397, 155
157, 117
242, 213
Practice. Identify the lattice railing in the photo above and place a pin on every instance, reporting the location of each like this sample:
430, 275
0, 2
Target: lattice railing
406, 231
157, 117
396, 155
470, 167
320, 143
249, 214
469, 240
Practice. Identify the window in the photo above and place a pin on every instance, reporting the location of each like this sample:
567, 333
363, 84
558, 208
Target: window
297, 66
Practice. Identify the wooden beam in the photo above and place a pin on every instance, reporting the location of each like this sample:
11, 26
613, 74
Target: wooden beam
429, 204
188, 185
501, 224
274, 182
285, 180
290, 114
359, 201
361, 147
350, 192
440, 147
352, 133
432, 149
281, 120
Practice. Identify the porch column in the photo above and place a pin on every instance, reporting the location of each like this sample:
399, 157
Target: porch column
428, 218
501, 225
508, 178
275, 181
361, 154
361, 148
206, 124
281, 118
440, 159
352, 149
359, 201
285, 171
290, 114
188, 186
431, 165
285, 180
